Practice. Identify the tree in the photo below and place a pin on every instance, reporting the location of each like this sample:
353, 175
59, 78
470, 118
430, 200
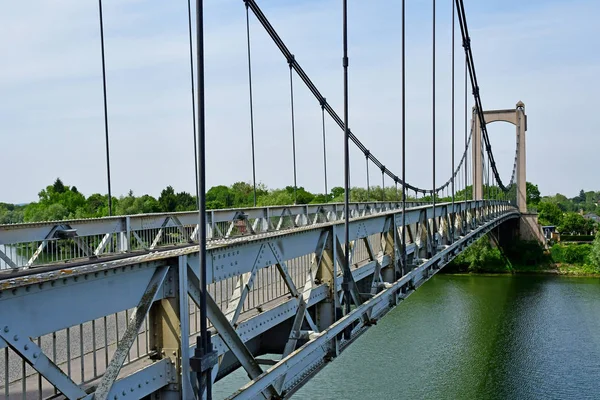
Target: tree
533, 194
96, 206
594, 257
573, 223
167, 200
276, 198
185, 202
219, 195
549, 213
337, 192
58, 186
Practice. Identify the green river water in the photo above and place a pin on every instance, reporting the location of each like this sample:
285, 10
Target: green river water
473, 337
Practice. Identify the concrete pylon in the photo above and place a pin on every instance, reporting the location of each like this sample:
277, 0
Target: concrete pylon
518, 118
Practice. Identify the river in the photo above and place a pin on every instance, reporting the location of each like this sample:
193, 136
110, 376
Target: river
473, 337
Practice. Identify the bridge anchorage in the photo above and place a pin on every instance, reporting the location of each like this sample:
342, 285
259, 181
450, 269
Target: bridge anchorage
163, 306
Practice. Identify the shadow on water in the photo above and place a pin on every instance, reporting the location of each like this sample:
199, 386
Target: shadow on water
477, 337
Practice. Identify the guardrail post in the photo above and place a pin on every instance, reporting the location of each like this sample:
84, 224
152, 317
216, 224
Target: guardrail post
165, 334
389, 248
125, 236
212, 225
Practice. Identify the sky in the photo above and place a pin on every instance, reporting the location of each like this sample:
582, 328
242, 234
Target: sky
51, 106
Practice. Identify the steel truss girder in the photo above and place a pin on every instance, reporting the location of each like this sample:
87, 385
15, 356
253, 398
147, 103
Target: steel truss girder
49, 293
314, 353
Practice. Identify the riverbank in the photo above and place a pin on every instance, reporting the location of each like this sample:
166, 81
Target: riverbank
583, 271
526, 257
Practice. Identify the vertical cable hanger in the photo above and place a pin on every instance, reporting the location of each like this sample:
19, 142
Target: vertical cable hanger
453, 215
433, 191
251, 102
204, 349
466, 128
346, 278
193, 97
290, 62
323, 102
105, 109
368, 185
404, 140
383, 183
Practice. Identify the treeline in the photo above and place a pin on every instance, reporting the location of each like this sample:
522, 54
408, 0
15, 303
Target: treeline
59, 201
528, 256
568, 214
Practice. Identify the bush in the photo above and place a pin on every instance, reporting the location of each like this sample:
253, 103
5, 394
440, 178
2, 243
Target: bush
571, 253
576, 238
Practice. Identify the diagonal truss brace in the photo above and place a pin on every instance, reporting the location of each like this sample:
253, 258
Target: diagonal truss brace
35, 357
226, 330
133, 327
242, 288
7, 260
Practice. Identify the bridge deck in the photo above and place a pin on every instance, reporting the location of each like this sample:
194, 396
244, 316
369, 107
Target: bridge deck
67, 307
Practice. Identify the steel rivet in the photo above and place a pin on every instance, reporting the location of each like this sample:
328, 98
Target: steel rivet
16, 338
26, 347
6, 329
36, 355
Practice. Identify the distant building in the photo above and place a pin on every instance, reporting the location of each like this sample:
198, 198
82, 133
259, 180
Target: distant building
549, 230
594, 217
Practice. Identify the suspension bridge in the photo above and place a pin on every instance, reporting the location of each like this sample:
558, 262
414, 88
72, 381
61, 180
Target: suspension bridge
165, 305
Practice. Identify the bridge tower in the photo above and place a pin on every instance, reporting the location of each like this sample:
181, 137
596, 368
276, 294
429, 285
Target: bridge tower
518, 118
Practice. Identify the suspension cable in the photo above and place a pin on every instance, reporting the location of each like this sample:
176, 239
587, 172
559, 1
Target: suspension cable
313, 89
105, 109
251, 102
475, 86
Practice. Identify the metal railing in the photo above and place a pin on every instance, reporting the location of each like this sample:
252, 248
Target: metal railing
38, 243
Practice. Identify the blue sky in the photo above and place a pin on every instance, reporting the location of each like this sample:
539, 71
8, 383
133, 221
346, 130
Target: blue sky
51, 119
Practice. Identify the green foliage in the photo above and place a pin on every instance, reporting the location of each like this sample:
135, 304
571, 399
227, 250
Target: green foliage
576, 238
168, 199
11, 214
574, 224
481, 256
549, 213
485, 256
219, 197
533, 194
594, 256
571, 253
525, 253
